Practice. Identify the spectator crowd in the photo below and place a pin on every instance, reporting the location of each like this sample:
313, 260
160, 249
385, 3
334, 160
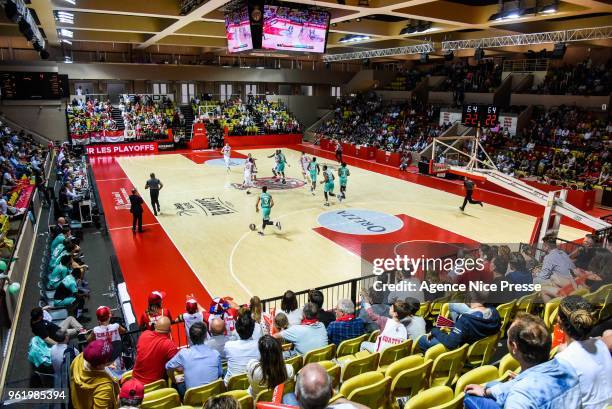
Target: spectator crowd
584, 78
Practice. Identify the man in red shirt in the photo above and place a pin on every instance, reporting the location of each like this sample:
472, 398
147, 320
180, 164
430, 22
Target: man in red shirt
154, 349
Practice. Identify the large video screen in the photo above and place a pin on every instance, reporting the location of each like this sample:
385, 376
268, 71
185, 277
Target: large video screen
30, 85
291, 29
238, 30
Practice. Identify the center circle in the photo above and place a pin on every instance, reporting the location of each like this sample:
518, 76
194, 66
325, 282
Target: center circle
360, 222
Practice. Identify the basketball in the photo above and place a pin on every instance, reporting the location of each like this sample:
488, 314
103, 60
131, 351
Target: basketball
252, 226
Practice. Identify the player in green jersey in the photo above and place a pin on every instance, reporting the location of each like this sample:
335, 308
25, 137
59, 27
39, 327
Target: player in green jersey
265, 199
314, 170
343, 174
328, 188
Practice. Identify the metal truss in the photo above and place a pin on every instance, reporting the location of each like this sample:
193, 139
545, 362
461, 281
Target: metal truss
383, 52
563, 36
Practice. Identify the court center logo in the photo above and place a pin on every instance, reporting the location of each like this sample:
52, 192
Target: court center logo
221, 162
273, 184
207, 206
360, 221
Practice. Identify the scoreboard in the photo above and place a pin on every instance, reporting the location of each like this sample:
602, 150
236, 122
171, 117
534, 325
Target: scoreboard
32, 85
474, 115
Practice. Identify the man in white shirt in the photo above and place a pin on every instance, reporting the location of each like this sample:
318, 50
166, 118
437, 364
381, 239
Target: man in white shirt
556, 262
241, 351
58, 350
218, 339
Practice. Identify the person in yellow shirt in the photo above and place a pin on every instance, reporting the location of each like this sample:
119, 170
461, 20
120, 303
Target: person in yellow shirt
91, 386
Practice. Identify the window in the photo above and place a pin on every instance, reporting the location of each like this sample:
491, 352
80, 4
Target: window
335, 92
160, 88
226, 92
251, 89
307, 90
187, 92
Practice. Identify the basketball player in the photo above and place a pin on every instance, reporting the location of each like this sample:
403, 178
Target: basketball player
248, 174
276, 157
469, 189
282, 161
254, 169
314, 170
343, 174
226, 155
328, 188
266, 207
304, 162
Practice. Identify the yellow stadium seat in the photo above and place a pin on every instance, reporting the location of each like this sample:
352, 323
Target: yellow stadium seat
408, 376
238, 382
374, 335
526, 303
447, 366
435, 351
360, 365
200, 394
423, 309
455, 403
431, 397
126, 376
333, 370
368, 389
244, 398
266, 395
506, 312
508, 364
445, 310
436, 305
394, 353
553, 352
295, 362
350, 346
153, 386
481, 375
480, 352
184, 407
166, 398
322, 354
550, 309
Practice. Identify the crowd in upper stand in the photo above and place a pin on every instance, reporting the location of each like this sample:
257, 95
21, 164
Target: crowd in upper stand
364, 119
584, 78
90, 115
149, 117
462, 77
562, 144
256, 115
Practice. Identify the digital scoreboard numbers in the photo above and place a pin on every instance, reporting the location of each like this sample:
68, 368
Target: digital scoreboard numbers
32, 85
474, 115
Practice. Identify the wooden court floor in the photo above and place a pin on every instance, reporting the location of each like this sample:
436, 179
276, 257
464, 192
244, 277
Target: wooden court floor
206, 217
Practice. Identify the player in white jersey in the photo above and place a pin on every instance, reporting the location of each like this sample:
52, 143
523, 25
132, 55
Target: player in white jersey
248, 174
105, 330
305, 162
194, 313
276, 156
254, 169
226, 155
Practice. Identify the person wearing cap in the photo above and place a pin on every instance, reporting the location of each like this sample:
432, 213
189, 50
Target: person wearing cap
91, 386
201, 364
109, 331
154, 349
193, 314
154, 311
131, 394
136, 210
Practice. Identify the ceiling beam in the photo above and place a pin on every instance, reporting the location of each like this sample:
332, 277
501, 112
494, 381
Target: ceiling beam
385, 52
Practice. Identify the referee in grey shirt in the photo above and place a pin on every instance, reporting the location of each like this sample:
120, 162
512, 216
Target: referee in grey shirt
154, 185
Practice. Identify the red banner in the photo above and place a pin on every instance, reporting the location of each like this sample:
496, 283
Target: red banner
122, 148
258, 140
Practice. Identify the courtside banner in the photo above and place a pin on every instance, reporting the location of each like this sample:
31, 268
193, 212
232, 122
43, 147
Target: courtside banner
122, 148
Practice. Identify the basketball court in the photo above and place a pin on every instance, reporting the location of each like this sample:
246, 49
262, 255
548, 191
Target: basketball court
203, 229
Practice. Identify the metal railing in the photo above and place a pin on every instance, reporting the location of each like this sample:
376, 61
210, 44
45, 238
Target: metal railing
526, 65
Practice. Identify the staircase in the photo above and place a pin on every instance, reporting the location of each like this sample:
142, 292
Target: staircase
116, 115
189, 117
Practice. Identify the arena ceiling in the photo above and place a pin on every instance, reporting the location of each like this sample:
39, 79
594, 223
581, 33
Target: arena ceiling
147, 24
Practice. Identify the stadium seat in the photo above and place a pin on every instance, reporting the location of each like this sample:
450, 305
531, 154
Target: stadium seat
602, 300
322, 354
333, 370
408, 376
455, 403
165, 398
368, 389
153, 386
429, 398
374, 335
295, 362
200, 394
481, 375
435, 351
506, 312
480, 352
394, 353
447, 366
507, 364
350, 346
423, 309
244, 398
553, 352
526, 303
550, 309
436, 306
184, 407
445, 310
360, 365
238, 382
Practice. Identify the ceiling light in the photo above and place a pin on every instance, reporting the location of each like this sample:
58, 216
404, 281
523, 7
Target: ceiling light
550, 9
66, 33
352, 38
512, 15
73, 2
358, 19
